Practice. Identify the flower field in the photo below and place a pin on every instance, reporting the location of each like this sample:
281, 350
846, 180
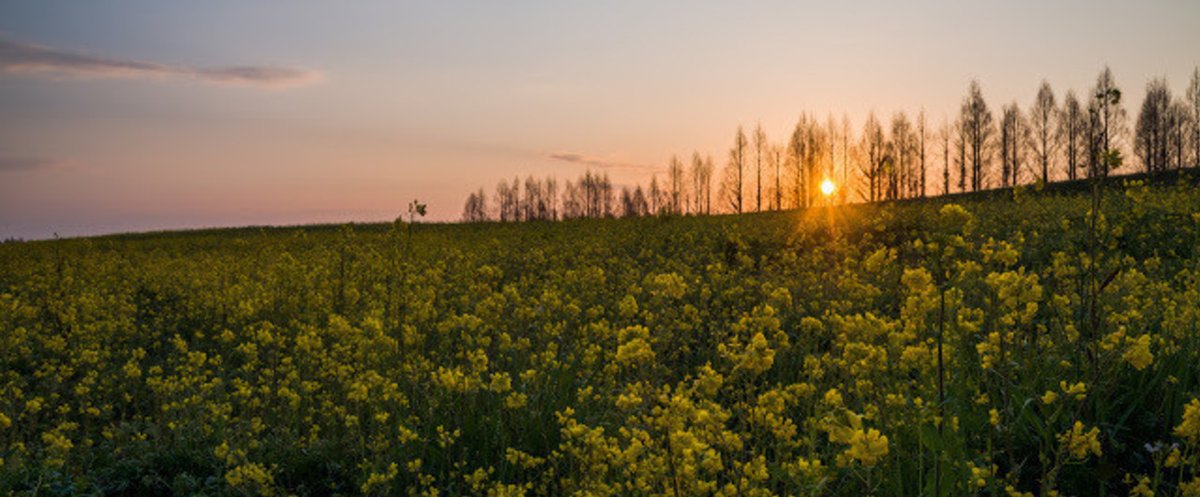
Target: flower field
1012, 346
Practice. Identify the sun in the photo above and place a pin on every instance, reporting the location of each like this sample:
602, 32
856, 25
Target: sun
828, 187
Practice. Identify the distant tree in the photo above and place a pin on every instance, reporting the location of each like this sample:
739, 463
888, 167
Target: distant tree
708, 174
1044, 129
873, 149
902, 146
1152, 132
777, 164
654, 196
701, 184
607, 198
960, 142
831, 131
1193, 104
675, 184
922, 134
812, 157
945, 132
1013, 137
760, 149
1072, 126
979, 130
1177, 136
475, 209
845, 157
733, 185
550, 196
797, 149
640, 206
696, 174
1107, 123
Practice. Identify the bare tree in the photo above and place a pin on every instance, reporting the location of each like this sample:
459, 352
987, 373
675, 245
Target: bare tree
697, 176
654, 196
1013, 137
550, 195
1044, 130
845, 157
922, 134
979, 130
760, 148
1153, 128
944, 134
475, 209
1193, 104
1107, 119
708, 173
873, 149
1072, 125
797, 149
1181, 124
777, 165
901, 153
675, 183
733, 185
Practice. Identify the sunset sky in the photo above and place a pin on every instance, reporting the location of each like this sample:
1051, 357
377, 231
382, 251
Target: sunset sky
139, 115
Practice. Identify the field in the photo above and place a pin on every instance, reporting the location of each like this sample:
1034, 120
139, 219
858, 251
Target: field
1016, 345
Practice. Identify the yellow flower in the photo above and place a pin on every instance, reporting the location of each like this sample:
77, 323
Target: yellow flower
1142, 489
1049, 397
758, 356
1077, 390
379, 479
867, 447
994, 417
251, 478
1190, 489
1080, 443
634, 352
1189, 427
833, 398
1138, 354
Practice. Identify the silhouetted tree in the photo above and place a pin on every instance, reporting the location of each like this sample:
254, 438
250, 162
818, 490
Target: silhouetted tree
675, 184
1154, 125
944, 135
1107, 122
901, 153
475, 209
979, 130
873, 149
796, 150
760, 148
777, 165
1072, 125
1044, 129
922, 134
1013, 136
1193, 104
733, 185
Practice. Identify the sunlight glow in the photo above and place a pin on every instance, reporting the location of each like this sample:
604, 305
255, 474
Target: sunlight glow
828, 187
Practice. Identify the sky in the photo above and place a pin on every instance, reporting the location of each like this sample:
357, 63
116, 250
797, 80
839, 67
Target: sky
121, 116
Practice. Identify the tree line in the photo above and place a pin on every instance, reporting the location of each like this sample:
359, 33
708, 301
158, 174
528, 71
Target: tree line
889, 159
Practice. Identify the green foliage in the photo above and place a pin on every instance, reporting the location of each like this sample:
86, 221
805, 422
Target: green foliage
786, 353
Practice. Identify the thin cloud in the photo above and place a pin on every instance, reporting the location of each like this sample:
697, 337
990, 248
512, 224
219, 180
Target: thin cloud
26, 58
575, 158
16, 164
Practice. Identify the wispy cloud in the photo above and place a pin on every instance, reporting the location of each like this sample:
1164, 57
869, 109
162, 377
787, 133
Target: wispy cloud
595, 162
19, 57
16, 164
